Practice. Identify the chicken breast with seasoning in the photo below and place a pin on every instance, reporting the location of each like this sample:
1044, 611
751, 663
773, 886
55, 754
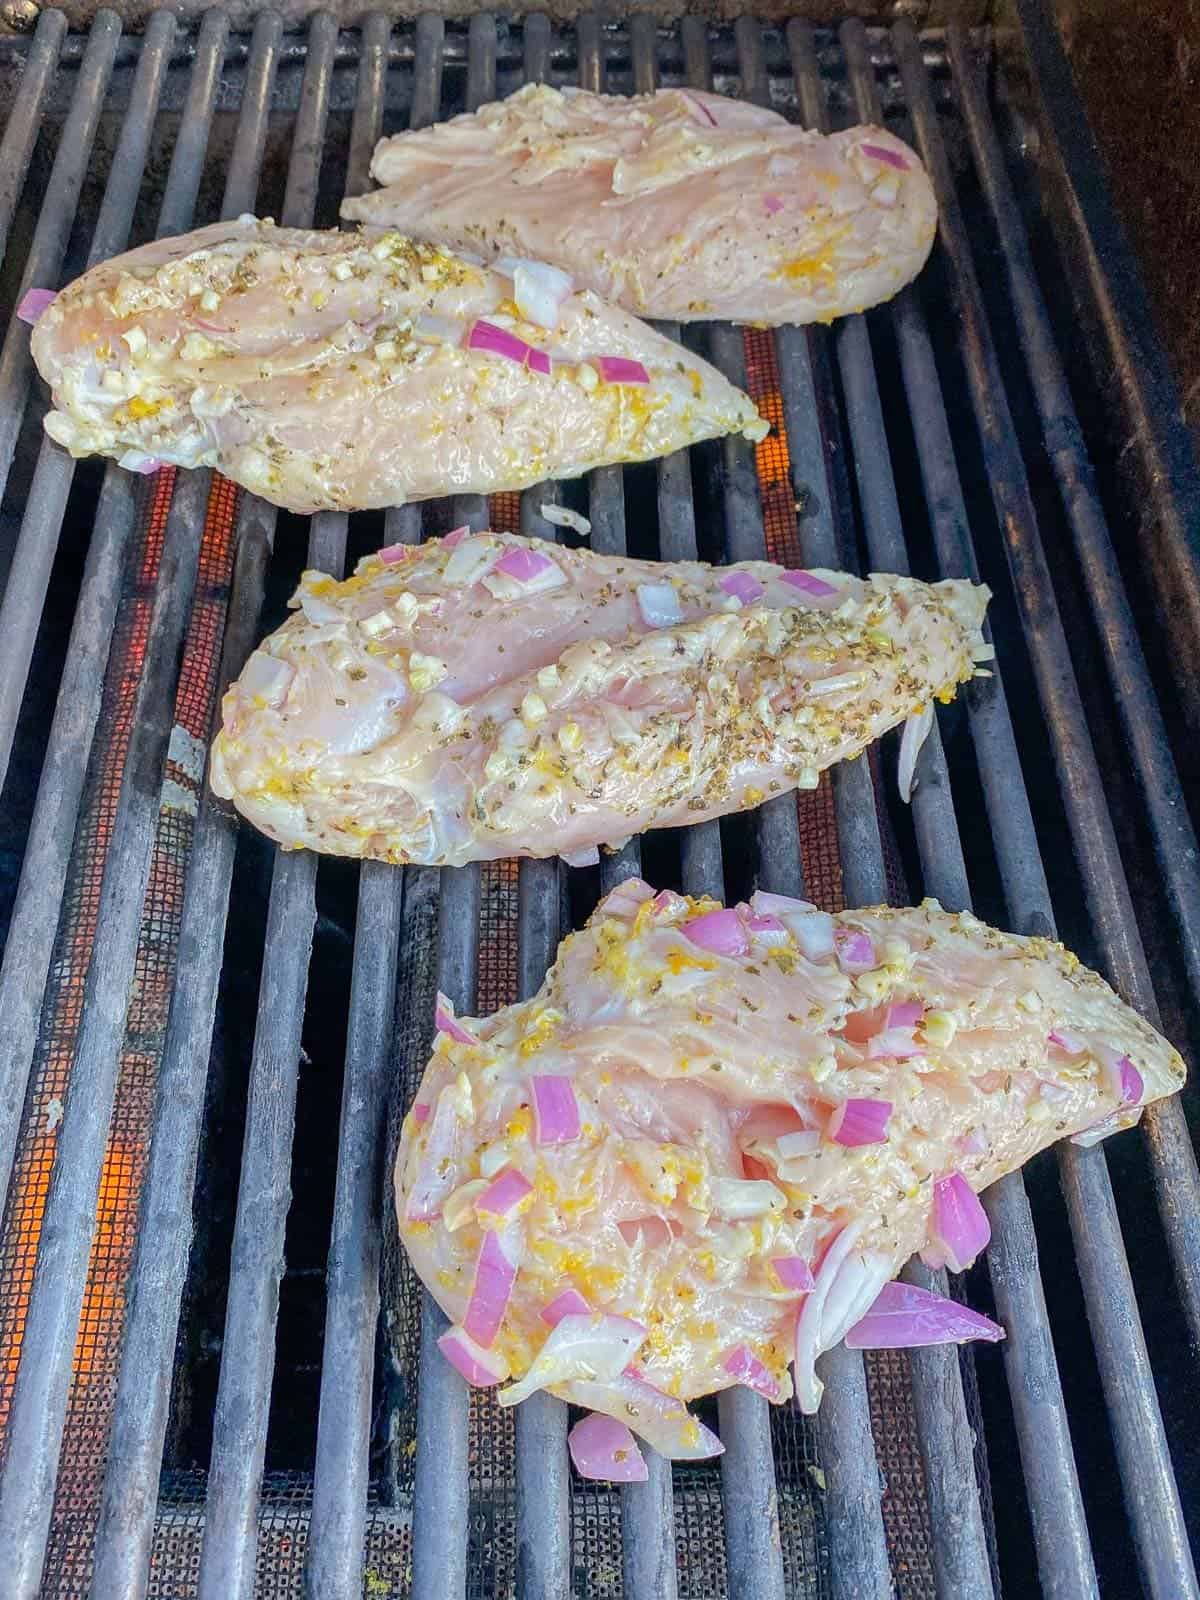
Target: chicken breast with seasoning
333, 371
677, 204
487, 695
699, 1154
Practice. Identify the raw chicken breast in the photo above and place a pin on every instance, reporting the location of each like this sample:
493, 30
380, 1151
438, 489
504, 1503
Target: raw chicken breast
676, 204
329, 370
487, 696
713, 1136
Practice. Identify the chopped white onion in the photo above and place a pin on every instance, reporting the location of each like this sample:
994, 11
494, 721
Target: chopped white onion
663, 1422
595, 1347
538, 289
659, 605
564, 517
736, 1198
845, 1286
469, 561
916, 731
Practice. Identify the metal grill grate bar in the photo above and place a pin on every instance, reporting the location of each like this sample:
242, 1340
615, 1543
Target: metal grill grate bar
1145, 730
44, 868
157, 1278
961, 1560
44, 263
1035, 1388
25, 588
344, 1422
1147, 1474
230, 1546
858, 1558
542, 1470
21, 129
747, 1467
647, 1509
39, 1399
440, 1498
35, 1423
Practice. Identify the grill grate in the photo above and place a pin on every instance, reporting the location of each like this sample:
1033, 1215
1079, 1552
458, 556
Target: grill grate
122, 959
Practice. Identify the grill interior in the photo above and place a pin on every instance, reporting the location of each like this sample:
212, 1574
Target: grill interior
217, 1373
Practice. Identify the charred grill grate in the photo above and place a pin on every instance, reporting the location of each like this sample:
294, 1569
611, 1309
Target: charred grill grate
170, 1031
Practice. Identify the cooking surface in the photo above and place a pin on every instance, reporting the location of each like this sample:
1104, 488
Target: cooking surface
909, 439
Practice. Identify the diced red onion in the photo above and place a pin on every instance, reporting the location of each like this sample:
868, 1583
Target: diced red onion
904, 1014
134, 461
603, 1448
570, 1303
855, 951
722, 932
486, 336
894, 1044
391, 554
659, 605
971, 1144
523, 565
481, 1368
767, 930
906, 1317
420, 1113
33, 303
620, 369
452, 540
891, 158
958, 1228
491, 1291
1074, 1044
817, 587
857, 1122
667, 900
445, 1022
555, 1109
504, 1194
773, 204
742, 1364
1123, 1078
743, 586
793, 1272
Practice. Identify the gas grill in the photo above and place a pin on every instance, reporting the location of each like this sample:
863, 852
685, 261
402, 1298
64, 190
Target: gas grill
218, 1375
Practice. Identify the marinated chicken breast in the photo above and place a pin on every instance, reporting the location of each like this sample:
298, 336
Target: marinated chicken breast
713, 1136
333, 371
486, 695
676, 204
